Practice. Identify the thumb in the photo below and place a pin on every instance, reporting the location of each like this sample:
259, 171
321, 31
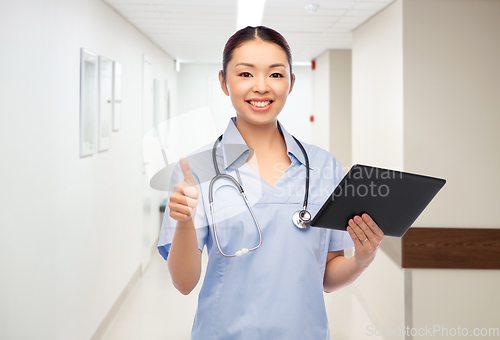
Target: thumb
186, 171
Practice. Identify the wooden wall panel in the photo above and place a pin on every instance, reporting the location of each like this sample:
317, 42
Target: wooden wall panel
458, 248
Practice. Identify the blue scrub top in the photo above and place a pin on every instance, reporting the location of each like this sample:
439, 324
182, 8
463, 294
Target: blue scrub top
275, 291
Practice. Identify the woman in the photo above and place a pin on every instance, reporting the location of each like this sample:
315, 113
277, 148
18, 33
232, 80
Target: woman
276, 290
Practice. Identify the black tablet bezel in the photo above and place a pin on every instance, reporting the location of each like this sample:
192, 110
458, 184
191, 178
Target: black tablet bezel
394, 215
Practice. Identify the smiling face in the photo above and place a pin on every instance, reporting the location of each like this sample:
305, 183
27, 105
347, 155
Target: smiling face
258, 81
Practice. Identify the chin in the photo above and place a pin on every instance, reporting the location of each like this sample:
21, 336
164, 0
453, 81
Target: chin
258, 118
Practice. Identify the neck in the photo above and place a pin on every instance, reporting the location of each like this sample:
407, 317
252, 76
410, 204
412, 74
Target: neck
261, 138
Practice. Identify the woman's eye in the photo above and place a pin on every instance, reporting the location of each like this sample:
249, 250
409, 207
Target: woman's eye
276, 75
245, 74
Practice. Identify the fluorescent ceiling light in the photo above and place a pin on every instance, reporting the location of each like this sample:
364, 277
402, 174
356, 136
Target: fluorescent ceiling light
250, 13
301, 63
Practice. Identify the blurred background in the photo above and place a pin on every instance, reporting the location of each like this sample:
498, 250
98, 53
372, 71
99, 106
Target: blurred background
412, 85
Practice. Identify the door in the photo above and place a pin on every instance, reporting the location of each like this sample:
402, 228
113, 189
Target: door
147, 193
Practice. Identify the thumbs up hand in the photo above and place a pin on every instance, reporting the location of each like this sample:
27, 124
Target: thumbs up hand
184, 199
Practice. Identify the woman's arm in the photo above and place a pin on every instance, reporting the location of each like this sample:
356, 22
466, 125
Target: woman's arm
184, 257
340, 271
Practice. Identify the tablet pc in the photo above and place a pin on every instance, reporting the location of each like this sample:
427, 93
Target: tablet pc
393, 199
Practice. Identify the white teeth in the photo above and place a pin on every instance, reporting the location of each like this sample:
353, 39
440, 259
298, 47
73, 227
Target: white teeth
260, 104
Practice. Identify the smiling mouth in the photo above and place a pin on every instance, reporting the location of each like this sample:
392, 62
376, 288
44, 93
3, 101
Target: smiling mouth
260, 103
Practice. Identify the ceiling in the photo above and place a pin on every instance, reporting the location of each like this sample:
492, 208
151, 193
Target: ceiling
197, 30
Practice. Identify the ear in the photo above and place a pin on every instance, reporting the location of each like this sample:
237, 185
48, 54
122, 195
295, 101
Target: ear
223, 84
293, 83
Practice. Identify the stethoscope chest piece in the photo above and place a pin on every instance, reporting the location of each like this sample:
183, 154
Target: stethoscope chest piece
301, 219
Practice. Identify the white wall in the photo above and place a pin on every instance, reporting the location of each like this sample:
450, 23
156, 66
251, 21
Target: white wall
377, 139
331, 106
452, 116
320, 128
377, 95
436, 62
27, 290
452, 106
199, 86
71, 233
341, 106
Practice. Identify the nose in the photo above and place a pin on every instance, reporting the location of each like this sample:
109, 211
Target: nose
261, 86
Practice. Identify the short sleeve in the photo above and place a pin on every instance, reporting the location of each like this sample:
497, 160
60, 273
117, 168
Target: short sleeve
169, 224
339, 239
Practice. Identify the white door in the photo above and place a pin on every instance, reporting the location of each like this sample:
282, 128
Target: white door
147, 193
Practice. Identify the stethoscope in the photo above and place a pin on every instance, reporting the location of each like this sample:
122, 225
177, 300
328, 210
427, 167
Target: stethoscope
301, 218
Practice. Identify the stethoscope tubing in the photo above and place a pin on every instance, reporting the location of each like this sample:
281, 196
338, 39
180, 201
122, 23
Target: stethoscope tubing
306, 194
300, 218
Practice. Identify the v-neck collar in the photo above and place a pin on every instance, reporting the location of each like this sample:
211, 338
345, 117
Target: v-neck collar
232, 136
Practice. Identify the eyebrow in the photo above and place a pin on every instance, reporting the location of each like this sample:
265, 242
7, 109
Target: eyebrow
250, 65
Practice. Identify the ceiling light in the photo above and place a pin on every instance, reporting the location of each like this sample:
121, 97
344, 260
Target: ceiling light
312, 8
301, 63
250, 13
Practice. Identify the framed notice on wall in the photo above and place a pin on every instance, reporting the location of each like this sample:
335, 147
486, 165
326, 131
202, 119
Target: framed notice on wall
105, 102
88, 102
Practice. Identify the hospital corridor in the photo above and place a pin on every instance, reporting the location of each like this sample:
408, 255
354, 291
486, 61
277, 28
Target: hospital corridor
118, 116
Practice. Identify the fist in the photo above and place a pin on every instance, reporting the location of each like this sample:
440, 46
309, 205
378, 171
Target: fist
184, 199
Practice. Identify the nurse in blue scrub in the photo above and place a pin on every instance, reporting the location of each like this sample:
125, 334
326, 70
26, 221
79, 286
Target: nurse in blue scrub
276, 290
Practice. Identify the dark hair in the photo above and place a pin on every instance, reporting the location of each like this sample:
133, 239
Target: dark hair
250, 33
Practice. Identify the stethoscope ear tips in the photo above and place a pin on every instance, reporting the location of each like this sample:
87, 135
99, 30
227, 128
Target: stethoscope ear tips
301, 219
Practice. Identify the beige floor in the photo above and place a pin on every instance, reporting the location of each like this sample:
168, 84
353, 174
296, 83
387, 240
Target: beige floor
155, 310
